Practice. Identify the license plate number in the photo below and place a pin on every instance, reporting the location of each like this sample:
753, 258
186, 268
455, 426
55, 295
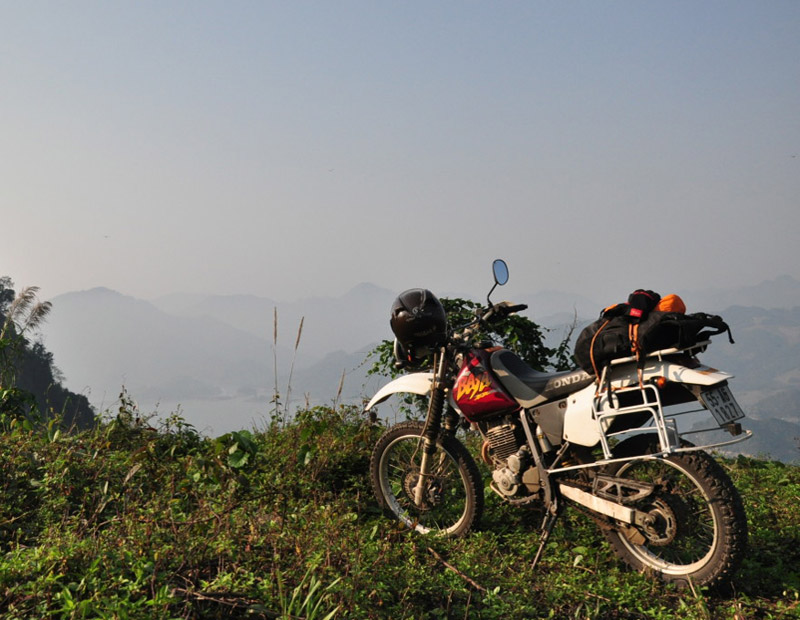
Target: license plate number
722, 405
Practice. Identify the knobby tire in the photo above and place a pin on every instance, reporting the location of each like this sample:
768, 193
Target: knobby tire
701, 529
453, 497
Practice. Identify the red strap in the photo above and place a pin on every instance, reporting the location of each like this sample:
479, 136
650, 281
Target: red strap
591, 349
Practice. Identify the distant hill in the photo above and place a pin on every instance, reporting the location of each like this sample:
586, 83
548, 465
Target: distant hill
104, 340
213, 354
552, 307
555, 307
343, 323
765, 359
766, 363
780, 292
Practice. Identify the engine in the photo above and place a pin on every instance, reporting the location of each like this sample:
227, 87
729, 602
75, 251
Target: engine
506, 452
501, 442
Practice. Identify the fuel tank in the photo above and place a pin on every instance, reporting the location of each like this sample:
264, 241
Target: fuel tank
476, 391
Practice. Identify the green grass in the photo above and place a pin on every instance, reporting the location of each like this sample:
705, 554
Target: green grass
129, 521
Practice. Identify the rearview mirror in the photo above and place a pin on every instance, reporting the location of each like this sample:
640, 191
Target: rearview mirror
500, 270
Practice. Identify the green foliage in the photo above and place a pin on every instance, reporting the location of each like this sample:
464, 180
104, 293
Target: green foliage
516, 332
18, 315
16, 407
30, 383
133, 519
306, 600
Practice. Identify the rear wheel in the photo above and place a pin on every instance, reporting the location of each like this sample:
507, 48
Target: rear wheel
452, 498
696, 527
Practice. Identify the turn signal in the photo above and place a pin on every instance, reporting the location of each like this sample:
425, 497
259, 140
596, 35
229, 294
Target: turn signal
660, 382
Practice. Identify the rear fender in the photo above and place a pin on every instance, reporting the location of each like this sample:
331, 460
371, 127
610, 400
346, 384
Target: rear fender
677, 373
416, 383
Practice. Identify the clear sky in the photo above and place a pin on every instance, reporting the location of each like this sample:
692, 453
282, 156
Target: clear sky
294, 149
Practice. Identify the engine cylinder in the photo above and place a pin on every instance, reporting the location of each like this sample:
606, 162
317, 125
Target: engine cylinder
502, 441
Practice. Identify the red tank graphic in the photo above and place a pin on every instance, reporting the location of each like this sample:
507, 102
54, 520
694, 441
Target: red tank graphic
477, 392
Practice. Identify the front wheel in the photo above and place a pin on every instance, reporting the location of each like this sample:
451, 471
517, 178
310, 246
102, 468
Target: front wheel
452, 497
696, 527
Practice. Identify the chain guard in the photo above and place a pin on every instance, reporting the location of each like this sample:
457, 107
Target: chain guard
662, 512
623, 490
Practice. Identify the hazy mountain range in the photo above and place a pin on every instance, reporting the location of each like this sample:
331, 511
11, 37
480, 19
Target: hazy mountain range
214, 356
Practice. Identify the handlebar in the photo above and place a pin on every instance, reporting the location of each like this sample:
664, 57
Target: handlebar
514, 308
494, 313
502, 310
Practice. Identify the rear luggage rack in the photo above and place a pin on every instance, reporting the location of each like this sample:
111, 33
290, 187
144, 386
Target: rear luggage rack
697, 347
606, 409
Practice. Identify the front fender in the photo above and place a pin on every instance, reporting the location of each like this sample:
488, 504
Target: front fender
416, 383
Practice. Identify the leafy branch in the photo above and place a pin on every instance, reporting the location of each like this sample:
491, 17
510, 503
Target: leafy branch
516, 333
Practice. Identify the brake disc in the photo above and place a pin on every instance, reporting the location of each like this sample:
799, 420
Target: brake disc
432, 495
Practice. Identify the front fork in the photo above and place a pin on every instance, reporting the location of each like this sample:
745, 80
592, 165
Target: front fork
433, 425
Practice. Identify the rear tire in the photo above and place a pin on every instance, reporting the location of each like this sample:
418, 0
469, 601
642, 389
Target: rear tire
453, 498
699, 528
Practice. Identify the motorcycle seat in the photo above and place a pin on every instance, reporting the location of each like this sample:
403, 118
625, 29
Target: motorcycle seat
531, 387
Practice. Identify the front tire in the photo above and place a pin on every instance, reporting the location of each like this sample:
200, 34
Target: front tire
698, 530
452, 500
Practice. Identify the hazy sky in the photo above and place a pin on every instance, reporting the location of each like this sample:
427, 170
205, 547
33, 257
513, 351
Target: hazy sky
293, 149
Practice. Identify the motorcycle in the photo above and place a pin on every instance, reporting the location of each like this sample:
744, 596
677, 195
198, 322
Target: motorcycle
608, 445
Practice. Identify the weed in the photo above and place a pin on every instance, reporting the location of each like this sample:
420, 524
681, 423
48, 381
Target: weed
127, 520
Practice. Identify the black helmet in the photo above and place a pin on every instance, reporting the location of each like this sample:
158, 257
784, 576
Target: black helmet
419, 322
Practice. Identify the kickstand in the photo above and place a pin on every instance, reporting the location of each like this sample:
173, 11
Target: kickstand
547, 527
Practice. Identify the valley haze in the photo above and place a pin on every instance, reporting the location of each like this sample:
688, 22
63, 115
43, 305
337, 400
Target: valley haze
212, 356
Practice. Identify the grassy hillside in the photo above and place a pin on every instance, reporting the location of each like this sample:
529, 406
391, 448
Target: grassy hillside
130, 521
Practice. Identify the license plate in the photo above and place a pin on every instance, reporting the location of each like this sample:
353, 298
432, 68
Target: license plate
722, 405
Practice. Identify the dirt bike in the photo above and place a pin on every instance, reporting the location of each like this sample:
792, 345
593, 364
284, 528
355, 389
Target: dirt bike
609, 445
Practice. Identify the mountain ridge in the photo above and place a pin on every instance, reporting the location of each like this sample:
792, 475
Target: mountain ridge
217, 353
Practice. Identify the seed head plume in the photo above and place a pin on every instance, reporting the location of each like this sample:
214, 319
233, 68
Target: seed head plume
291, 368
26, 311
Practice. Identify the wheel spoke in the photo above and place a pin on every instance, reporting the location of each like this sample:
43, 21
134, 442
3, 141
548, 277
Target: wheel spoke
685, 529
449, 499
